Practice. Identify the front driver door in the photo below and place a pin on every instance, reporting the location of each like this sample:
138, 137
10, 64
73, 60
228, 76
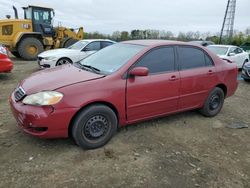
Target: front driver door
155, 94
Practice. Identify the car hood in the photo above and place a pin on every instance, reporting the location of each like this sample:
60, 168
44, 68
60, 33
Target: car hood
54, 78
58, 52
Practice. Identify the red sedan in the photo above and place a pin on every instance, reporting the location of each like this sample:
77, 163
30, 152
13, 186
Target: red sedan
5, 63
122, 84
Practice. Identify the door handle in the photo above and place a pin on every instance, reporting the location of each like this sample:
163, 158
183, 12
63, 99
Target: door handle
210, 72
173, 78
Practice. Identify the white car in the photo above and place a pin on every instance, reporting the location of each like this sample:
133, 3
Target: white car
73, 53
232, 53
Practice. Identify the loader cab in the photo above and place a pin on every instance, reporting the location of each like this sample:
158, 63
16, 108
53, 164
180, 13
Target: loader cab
41, 18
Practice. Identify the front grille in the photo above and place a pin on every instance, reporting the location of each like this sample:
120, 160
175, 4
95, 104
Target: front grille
19, 93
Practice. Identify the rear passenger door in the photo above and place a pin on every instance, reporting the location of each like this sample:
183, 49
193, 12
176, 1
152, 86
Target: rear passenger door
157, 93
197, 73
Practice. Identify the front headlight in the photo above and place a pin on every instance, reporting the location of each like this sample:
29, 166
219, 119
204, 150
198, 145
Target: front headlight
49, 58
3, 50
43, 98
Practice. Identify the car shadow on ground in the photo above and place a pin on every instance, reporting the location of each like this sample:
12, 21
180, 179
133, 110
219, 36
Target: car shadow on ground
133, 129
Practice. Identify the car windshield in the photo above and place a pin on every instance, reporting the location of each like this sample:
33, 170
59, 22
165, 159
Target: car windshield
218, 50
111, 58
78, 45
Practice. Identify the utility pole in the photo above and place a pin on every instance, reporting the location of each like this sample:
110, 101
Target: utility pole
228, 22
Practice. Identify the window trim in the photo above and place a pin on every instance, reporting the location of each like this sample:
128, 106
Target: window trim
194, 47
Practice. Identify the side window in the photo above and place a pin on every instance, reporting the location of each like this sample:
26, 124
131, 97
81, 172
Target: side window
158, 60
94, 46
232, 50
208, 60
105, 44
190, 57
238, 51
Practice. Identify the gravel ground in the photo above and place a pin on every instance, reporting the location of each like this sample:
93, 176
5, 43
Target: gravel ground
182, 150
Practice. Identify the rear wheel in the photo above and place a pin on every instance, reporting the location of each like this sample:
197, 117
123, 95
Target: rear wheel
29, 48
213, 103
63, 61
94, 126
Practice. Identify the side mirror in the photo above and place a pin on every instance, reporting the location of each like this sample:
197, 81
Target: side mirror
139, 71
231, 54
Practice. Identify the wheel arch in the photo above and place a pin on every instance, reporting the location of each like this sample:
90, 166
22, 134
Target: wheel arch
108, 104
223, 87
64, 58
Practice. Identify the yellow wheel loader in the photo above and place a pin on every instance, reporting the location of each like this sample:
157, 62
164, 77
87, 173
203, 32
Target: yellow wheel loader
28, 37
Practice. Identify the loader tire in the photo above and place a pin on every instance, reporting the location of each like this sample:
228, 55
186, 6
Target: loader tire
29, 48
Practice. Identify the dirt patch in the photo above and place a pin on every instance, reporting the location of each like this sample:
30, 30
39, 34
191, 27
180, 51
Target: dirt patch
182, 150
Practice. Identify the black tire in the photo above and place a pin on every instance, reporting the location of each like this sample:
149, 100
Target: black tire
30, 43
213, 103
69, 42
63, 61
16, 54
246, 80
94, 126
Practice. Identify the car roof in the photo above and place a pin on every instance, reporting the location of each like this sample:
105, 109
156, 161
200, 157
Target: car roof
153, 42
92, 40
225, 46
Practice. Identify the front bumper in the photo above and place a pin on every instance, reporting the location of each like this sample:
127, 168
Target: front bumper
42, 121
46, 63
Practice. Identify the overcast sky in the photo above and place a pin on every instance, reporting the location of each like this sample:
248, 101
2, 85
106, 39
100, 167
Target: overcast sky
107, 16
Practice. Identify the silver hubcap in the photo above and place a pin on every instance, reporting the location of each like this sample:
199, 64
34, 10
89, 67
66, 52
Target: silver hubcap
63, 62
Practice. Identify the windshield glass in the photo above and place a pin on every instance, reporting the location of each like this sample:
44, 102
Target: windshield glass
78, 45
218, 50
111, 58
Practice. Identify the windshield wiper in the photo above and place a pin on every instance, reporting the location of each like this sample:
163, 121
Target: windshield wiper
89, 67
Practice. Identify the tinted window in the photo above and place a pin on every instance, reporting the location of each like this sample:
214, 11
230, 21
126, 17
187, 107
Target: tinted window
94, 46
105, 44
209, 61
191, 58
158, 60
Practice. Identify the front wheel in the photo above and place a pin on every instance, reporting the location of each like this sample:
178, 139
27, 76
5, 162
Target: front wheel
63, 61
213, 103
94, 126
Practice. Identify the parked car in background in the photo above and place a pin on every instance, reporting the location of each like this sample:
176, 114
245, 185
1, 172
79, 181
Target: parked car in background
202, 42
232, 53
122, 84
246, 71
73, 53
246, 47
6, 64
